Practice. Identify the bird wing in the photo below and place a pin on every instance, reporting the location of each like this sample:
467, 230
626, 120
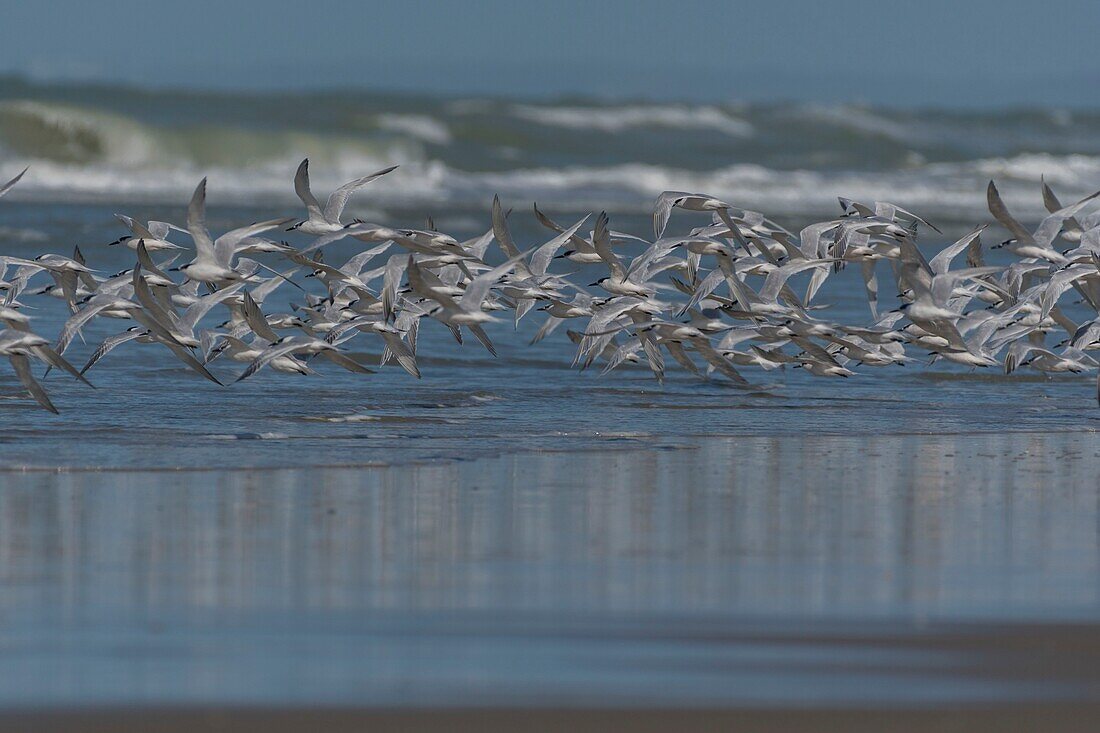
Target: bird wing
260, 292
941, 263
662, 210
942, 286
401, 351
338, 199
270, 354
301, 187
346, 362
1050, 226
203, 305
22, 366
196, 223
898, 210
188, 358
167, 317
716, 360
54, 359
504, 237
1016, 354
479, 287
775, 279
160, 229
391, 281
227, 244
1052, 204
77, 320
109, 344
540, 260
355, 265
418, 281
810, 238
256, 320
601, 241
147, 262
1000, 212
8, 186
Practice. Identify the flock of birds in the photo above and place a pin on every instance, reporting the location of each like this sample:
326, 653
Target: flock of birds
716, 299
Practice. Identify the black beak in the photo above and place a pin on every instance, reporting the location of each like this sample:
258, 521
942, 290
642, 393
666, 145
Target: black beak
174, 269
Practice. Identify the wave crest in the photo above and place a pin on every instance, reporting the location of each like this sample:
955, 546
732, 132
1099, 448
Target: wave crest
782, 158
74, 135
617, 119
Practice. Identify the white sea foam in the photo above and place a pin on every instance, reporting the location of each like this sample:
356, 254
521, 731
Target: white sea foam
955, 188
422, 127
353, 418
21, 234
617, 119
857, 119
1063, 170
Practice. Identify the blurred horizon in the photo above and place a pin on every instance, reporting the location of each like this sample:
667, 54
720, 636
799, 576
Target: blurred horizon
243, 90
983, 54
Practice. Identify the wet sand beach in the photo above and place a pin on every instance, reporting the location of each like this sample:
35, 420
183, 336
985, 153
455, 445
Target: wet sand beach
1013, 719
824, 582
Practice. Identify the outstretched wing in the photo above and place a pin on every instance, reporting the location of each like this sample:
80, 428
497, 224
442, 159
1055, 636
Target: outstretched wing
301, 187
22, 366
8, 186
338, 199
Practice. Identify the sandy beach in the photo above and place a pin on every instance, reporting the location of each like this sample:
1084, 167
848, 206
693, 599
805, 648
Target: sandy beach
752, 581
1013, 719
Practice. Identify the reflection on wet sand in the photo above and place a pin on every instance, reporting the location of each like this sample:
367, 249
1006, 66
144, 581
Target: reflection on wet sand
710, 574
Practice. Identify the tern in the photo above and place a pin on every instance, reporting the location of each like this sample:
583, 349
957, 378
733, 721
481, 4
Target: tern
213, 261
711, 300
18, 347
327, 220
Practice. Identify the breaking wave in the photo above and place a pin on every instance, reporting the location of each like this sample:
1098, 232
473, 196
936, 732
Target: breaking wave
617, 119
105, 143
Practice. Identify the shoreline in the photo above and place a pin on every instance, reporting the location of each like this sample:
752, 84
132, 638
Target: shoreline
637, 443
1053, 718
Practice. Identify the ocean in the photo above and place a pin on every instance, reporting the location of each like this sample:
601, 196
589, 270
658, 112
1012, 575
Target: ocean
101, 143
